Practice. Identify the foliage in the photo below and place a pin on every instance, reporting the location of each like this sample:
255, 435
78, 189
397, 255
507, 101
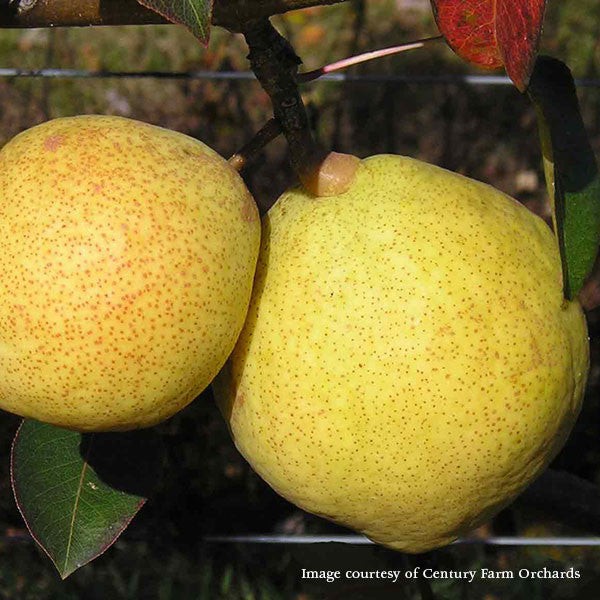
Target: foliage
494, 33
77, 492
571, 170
194, 14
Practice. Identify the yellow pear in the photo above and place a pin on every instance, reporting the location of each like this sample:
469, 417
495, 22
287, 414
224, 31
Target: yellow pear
127, 254
408, 364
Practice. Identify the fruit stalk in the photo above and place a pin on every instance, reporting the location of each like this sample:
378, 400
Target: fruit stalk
266, 134
275, 65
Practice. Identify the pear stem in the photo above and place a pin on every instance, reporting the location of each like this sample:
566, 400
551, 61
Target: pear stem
268, 132
283, 91
275, 65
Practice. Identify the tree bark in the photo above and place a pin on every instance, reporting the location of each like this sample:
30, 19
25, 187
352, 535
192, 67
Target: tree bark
231, 14
275, 65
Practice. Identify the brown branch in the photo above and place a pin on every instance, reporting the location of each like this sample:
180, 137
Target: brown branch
275, 65
59, 13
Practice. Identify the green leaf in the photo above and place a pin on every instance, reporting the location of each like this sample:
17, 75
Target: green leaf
571, 170
78, 492
194, 14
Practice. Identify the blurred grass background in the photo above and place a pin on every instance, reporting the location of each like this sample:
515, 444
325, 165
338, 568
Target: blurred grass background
485, 132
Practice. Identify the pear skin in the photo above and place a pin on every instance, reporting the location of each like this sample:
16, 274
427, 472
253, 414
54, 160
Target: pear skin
128, 253
409, 363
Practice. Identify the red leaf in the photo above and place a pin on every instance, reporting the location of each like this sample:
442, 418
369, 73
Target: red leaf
493, 33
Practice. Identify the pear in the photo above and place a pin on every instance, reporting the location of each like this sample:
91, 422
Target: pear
408, 364
127, 254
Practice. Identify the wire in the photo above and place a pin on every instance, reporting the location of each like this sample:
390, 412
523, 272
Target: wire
249, 76
359, 540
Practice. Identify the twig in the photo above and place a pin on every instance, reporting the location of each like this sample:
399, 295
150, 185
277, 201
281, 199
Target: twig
360, 58
64, 13
275, 64
269, 131
273, 128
